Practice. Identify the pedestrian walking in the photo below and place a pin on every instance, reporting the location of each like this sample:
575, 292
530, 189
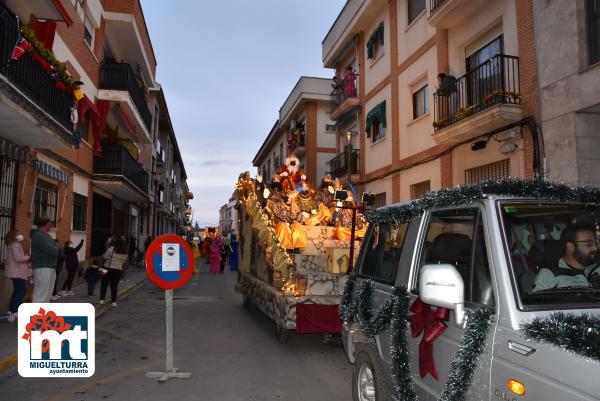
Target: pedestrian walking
17, 270
91, 276
196, 255
225, 251
44, 259
215, 255
114, 259
233, 258
72, 265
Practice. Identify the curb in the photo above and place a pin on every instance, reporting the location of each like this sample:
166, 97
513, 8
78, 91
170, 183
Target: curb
11, 360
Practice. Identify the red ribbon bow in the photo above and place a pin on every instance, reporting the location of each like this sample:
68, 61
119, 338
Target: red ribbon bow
431, 323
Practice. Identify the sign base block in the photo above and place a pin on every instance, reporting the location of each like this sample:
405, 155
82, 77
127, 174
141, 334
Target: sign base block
163, 377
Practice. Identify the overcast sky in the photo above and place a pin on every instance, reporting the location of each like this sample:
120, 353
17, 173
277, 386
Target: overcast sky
226, 68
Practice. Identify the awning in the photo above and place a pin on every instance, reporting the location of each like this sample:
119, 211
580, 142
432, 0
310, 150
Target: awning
346, 117
51, 171
378, 113
13, 151
376, 36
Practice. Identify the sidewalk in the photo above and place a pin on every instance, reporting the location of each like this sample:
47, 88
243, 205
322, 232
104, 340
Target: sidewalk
134, 277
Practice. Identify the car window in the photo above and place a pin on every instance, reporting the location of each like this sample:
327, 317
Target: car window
382, 252
457, 237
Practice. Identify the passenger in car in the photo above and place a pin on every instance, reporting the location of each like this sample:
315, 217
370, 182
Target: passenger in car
576, 265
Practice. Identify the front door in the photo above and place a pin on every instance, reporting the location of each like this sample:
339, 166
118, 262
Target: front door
457, 237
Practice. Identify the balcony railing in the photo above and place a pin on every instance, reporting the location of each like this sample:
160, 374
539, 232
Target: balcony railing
338, 166
495, 81
345, 89
28, 75
116, 160
435, 5
121, 77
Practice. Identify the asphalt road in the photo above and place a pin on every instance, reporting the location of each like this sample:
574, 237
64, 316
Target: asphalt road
231, 352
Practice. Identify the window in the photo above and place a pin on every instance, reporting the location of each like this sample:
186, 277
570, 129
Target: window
375, 43
45, 200
383, 250
329, 127
376, 122
457, 237
88, 32
281, 155
415, 8
492, 171
485, 79
79, 212
420, 102
380, 200
417, 190
593, 30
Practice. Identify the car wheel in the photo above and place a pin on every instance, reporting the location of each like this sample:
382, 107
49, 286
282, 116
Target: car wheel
368, 375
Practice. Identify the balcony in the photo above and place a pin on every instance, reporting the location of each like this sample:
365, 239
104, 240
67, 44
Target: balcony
338, 166
33, 111
447, 14
485, 98
118, 83
117, 172
343, 98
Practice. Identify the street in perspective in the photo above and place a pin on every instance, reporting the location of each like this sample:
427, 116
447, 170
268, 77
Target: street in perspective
364, 200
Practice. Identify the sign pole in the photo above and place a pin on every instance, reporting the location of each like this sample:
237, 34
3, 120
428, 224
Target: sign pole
169, 326
170, 371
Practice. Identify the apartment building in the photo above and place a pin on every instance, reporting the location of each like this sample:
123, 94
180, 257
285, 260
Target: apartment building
304, 129
446, 92
169, 189
228, 217
77, 121
568, 49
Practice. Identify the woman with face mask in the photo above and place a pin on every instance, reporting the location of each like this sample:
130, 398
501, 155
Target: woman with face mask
17, 270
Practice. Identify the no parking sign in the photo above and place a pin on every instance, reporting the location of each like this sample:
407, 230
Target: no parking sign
169, 262
169, 265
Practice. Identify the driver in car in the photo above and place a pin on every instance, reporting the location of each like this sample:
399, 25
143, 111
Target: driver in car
578, 267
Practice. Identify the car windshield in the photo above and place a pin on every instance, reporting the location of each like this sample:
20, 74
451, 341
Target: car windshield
553, 252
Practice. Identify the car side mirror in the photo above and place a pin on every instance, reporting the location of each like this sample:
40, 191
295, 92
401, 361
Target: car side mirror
442, 285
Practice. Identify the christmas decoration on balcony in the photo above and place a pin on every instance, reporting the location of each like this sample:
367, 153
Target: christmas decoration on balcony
44, 56
296, 139
357, 307
577, 334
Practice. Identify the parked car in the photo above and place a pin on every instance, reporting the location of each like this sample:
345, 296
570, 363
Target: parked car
484, 254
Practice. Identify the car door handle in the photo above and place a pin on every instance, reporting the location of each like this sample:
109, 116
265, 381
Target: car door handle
520, 348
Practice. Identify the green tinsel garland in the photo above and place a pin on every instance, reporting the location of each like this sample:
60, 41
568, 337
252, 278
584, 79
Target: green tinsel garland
466, 357
579, 334
463, 195
356, 307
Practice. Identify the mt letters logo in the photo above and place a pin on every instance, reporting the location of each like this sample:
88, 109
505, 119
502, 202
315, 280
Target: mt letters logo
56, 340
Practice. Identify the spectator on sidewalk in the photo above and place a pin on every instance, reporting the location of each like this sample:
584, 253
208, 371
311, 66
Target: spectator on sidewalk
17, 270
114, 259
44, 259
59, 266
91, 276
233, 258
215, 255
72, 265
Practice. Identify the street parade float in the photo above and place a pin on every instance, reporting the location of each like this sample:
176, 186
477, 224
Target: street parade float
295, 248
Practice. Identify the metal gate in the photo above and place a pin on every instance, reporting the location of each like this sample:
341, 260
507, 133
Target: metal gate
8, 192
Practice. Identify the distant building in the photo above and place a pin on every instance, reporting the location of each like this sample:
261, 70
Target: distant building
228, 216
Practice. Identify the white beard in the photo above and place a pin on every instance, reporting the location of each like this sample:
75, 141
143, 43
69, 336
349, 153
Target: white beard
292, 169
